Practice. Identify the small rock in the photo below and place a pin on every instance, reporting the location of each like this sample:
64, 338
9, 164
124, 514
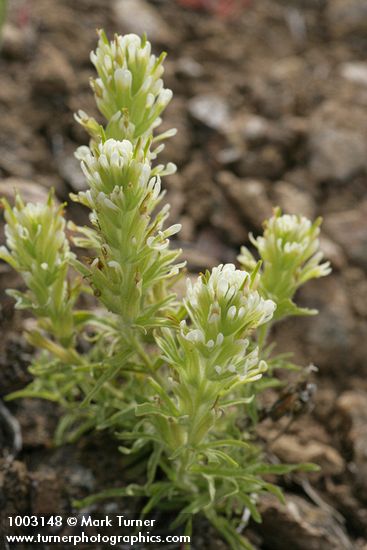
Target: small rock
355, 71
38, 420
255, 128
347, 16
17, 43
338, 142
28, 189
187, 232
287, 68
352, 410
69, 169
330, 335
336, 154
17, 353
46, 492
8, 92
199, 198
176, 149
346, 502
293, 200
300, 177
357, 282
14, 489
297, 125
137, 16
81, 478
229, 223
229, 155
299, 525
267, 162
52, 72
349, 230
325, 404
291, 450
15, 158
210, 110
258, 130
332, 252
197, 260
175, 198
249, 196
187, 66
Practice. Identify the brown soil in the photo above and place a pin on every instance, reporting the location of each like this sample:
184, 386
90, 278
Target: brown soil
270, 105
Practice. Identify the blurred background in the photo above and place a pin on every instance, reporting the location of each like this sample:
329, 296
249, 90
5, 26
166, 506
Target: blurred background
270, 103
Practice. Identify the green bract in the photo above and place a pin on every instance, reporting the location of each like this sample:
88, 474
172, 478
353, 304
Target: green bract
132, 258
129, 89
224, 302
174, 379
39, 250
290, 254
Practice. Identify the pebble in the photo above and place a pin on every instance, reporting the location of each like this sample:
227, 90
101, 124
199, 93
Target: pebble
355, 71
349, 230
347, 16
17, 43
352, 411
357, 283
300, 525
176, 148
267, 162
330, 337
210, 110
52, 73
332, 252
249, 196
14, 489
189, 67
228, 222
46, 492
338, 142
291, 450
293, 200
137, 16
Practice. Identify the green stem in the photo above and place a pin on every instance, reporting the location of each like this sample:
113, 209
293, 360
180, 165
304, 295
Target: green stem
199, 423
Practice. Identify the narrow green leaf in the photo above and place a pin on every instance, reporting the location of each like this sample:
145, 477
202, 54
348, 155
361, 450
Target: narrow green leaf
132, 490
106, 377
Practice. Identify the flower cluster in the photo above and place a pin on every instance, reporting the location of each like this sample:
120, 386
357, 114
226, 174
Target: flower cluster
38, 249
131, 255
131, 247
223, 311
224, 302
114, 166
290, 254
129, 89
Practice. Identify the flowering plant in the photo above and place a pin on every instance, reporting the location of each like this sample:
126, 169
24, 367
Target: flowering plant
290, 254
171, 378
